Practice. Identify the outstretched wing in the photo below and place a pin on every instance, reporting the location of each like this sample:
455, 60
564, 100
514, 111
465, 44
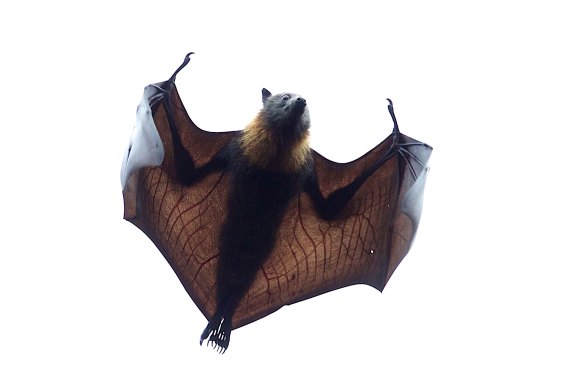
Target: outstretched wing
364, 245
183, 222
311, 256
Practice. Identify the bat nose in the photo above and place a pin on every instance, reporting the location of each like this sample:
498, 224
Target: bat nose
301, 101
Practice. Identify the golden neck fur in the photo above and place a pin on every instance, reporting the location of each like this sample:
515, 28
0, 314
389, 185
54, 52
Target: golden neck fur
264, 149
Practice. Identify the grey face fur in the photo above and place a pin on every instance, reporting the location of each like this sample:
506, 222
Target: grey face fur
286, 112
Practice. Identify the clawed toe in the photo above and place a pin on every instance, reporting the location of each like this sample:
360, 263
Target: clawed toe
218, 336
220, 341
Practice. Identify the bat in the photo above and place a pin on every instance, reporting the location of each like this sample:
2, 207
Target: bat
253, 220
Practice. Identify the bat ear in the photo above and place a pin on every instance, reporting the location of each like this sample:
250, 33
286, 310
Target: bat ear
266, 95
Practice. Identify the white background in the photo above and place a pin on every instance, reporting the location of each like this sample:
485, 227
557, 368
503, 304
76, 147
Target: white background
490, 294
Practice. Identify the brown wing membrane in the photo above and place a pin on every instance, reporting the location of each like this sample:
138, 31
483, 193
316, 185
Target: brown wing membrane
183, 222
363, 246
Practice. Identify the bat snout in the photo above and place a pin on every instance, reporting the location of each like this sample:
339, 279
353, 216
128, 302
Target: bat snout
300, 105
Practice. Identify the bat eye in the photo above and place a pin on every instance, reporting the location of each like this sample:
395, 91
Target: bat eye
285, 97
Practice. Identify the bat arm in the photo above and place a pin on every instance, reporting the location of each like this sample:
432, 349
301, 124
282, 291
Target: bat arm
330, 208
187, 171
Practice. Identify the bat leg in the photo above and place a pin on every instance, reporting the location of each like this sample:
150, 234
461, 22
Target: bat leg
221, 338
213, 325
235, 275
219, 328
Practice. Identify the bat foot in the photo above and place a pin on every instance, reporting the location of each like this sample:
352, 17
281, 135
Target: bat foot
220, 340
218, 334
205, 333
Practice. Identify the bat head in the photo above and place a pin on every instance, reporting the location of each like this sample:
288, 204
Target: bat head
286, 113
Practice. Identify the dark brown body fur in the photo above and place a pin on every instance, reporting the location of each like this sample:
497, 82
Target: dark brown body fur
269, 164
